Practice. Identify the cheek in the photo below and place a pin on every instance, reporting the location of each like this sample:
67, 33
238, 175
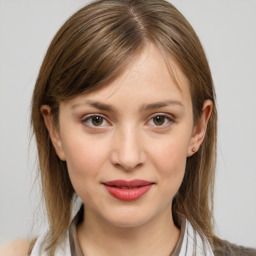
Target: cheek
169, 158
84, 159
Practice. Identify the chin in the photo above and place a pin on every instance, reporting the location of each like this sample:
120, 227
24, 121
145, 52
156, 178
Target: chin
128, 223
128, 218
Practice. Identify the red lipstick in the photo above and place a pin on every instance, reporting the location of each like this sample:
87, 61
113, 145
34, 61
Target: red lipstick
127, 190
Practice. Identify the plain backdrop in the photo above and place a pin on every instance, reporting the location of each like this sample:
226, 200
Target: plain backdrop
227, 29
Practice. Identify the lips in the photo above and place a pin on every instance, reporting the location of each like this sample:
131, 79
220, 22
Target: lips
128, 190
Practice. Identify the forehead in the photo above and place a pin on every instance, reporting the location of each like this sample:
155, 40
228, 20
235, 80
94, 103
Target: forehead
148, 78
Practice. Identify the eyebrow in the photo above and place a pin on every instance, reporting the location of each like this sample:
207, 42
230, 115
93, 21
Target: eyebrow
161, 104
145, 107
96, 104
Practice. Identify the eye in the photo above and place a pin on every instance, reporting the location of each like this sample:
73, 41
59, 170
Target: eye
160, 120
95, 121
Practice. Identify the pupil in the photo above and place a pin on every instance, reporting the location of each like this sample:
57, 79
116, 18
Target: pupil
159, 120
97, 120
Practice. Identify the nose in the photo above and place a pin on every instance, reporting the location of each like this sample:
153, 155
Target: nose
127, 150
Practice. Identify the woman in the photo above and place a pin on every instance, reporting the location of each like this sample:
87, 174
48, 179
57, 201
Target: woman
124, 117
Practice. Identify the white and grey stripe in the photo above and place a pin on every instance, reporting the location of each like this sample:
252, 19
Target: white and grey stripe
189, 244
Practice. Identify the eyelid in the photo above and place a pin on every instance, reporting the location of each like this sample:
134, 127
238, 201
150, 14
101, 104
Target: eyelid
170, 118
85, 118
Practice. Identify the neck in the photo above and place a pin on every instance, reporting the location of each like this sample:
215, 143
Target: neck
157, 237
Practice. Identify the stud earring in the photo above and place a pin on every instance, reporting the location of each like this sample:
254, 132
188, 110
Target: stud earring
193, 150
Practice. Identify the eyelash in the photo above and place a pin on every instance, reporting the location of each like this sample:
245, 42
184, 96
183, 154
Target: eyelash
87, 120
167, 120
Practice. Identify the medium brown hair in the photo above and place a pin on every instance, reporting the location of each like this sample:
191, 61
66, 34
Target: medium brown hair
91, 49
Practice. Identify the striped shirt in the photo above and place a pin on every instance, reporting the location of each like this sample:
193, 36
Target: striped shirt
189, 242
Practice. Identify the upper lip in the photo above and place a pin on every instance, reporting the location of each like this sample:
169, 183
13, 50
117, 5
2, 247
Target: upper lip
130, 183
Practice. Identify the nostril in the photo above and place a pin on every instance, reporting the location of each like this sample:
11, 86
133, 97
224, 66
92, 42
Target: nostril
128, 167
127, 154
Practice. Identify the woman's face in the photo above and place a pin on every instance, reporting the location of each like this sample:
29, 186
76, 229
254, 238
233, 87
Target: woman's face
137, 128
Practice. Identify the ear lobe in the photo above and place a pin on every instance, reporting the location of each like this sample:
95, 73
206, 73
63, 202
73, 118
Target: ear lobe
53, 132
200, 128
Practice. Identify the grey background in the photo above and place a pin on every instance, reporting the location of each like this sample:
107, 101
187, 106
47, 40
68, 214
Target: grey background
227, 30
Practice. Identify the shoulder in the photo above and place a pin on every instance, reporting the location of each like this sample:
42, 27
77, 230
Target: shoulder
224, 248
19, 247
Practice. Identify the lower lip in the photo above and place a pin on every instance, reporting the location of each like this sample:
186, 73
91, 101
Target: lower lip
129, 194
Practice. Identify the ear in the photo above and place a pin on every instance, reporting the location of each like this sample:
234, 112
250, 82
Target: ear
53, 131
200, 128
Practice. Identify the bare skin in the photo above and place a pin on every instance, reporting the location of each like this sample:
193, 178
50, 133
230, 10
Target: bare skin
144, 226
129, 143
129, 241
15, 248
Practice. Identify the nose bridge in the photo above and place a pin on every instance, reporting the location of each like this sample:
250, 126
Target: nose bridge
128, 150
